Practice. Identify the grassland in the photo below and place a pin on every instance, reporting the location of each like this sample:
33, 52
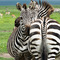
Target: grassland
1, 58
7, 24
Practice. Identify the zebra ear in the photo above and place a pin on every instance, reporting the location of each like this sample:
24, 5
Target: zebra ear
19, 6
40, 2
36, 2
17, 22
32, 0
24, 6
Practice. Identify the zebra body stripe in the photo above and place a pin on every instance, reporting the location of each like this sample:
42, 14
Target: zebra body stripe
51, 36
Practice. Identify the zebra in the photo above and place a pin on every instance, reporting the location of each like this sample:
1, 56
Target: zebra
10, 49
44, 41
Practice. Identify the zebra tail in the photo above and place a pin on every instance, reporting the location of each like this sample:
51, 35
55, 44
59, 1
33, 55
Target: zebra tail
44, 53
44, 50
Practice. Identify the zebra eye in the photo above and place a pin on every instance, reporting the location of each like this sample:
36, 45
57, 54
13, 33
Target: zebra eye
21, 17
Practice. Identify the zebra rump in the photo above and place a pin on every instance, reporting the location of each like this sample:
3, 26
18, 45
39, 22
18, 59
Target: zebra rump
44, 42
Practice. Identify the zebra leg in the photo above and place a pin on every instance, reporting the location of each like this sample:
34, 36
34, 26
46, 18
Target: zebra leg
19, 57
16, 58
27, 56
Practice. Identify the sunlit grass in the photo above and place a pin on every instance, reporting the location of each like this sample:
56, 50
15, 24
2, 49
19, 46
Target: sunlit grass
56, 16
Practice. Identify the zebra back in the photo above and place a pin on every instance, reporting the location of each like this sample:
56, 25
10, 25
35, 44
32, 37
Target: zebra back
44, 42
44, 49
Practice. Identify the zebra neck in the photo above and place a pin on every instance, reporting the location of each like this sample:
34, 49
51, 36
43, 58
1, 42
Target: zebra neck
43, 45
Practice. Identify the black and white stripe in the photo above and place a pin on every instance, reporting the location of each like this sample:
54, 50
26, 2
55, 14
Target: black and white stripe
17, 41
53, 38
45, 9
10, 48
21, 38
11, 40
35, 39
44, 39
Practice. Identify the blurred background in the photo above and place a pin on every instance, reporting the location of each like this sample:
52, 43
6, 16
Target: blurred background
13, 2
9, 13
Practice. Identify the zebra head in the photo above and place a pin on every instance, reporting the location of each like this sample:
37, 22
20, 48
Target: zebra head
28, 14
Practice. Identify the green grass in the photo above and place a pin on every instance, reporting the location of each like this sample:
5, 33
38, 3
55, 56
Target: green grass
7, 24
1, 58
3, 39
56, 6
56, 16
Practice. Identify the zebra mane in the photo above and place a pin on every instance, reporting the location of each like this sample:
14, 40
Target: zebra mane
45, 9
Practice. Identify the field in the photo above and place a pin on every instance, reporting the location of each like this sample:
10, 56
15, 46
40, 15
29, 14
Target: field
7, 24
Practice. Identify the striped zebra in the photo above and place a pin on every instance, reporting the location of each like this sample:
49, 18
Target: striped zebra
10, 48
44, 42
21, 39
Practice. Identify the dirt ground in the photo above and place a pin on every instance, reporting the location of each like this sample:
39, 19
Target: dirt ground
6, 55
